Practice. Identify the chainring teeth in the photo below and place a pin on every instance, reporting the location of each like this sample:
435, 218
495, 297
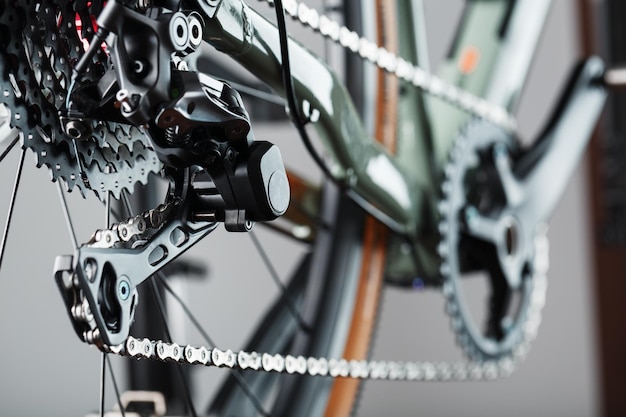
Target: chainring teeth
516, 344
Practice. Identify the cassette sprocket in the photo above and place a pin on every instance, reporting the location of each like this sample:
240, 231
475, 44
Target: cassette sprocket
41, 41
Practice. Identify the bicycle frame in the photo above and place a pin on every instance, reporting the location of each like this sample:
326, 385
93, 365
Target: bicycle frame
368, 170
403, 191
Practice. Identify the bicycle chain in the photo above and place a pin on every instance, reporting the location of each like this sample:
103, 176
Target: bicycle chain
311, 366
134, 228
159, 350
137, 227
393, 64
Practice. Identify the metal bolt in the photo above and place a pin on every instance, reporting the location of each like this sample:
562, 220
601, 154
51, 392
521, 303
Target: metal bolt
138, 67
123, 97
76, 129
143, 5
123, 290
90, 270
230, 155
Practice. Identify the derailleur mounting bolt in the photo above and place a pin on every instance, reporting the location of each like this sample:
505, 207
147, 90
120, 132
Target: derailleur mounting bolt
76, 129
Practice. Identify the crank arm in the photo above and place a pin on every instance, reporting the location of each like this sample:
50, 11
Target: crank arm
541, 173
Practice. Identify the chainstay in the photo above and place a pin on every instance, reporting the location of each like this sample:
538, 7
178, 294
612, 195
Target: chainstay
393, 64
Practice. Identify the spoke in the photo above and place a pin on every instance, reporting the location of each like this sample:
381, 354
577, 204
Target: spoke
66, 213
188, 312
108, 210
115, 215
161, 308
126, 202
8, 149
283, 291
7, 225
117, 391
238, 378
102, 382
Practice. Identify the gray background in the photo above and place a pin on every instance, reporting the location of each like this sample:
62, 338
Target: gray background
45, 370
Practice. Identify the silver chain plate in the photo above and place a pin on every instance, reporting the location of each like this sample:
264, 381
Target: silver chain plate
393, 64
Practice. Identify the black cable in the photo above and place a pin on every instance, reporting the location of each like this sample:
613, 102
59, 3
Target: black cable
290, 92
115, 388
102, 382
8, 149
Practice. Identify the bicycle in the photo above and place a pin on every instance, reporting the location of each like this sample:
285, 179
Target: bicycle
404, 219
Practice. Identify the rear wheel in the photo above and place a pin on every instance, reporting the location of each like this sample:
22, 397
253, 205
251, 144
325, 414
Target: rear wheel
336, 286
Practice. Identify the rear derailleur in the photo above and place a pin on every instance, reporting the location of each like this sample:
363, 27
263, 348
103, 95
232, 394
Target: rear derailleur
201, 132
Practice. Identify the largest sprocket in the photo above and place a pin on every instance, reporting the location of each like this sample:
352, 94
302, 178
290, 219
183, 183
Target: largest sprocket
40, 42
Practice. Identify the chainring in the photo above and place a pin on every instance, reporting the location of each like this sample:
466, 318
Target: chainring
473, 191
40, 42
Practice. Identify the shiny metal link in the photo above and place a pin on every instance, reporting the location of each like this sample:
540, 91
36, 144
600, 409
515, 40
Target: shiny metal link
295, 365
223, 358
271, 363
130, 228
197, 356
338, 368
247, 360
140, 348
391, 63
317, 366
169, 352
